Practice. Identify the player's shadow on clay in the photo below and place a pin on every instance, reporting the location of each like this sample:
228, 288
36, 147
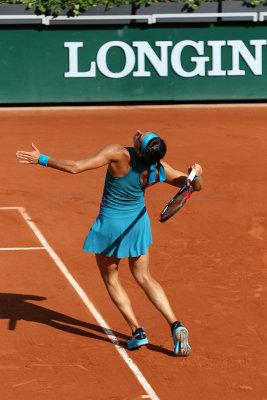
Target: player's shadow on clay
15, 307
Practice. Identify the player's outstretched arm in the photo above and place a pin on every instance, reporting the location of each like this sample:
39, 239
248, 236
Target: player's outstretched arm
178, 178
107, 154
32, 157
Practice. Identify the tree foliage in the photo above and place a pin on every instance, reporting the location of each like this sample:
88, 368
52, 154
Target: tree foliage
56, 7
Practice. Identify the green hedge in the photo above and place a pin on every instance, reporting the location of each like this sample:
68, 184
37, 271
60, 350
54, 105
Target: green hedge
78, 6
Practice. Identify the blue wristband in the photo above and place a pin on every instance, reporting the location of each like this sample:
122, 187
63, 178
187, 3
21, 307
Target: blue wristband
43, 160
196, 177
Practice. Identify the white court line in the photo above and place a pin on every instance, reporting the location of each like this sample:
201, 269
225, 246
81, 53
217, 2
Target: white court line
21, 248
110, 334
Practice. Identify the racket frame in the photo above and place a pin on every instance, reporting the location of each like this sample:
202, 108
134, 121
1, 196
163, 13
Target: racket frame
187, 185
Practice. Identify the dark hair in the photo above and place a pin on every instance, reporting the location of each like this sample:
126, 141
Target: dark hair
155, 150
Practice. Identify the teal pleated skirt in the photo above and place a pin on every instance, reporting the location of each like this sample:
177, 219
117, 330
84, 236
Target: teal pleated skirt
123, 233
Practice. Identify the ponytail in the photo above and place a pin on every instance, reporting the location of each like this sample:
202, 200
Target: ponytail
155, 150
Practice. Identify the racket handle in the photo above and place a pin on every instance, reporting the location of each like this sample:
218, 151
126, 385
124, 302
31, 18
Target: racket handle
191, 175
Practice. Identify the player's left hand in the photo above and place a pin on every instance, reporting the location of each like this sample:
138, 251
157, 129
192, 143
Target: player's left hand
29, 157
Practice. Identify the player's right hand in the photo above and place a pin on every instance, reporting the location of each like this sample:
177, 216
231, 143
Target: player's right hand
197, 168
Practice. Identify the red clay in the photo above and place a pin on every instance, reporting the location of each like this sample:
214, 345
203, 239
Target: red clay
211, 258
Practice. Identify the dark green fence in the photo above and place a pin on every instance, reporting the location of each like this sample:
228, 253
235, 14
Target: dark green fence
189, 63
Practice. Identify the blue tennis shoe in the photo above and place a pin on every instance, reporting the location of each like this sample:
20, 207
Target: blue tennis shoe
180, 340
138, 339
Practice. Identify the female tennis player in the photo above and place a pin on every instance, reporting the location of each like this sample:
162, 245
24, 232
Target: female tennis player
122, 228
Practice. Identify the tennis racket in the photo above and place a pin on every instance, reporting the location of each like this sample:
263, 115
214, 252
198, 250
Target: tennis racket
179, 200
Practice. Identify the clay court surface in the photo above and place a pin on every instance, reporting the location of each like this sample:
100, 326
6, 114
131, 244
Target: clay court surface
211, 258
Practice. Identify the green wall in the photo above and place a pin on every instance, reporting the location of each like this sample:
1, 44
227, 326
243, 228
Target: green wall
34, 64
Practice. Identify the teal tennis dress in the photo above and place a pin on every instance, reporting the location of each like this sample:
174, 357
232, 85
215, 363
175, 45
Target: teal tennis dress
122, 226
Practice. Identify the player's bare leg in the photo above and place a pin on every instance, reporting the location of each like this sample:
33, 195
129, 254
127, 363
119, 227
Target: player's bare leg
108, 267
140, 269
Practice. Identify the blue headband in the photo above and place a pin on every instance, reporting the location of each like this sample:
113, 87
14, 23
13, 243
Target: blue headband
152, 170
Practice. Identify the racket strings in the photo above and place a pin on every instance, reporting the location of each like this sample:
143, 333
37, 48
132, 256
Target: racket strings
177, 203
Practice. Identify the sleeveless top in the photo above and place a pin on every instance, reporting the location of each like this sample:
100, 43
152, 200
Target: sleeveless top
126, 192
122, 227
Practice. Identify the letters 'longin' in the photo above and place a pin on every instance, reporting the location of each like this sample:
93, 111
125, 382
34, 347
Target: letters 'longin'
171, 55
